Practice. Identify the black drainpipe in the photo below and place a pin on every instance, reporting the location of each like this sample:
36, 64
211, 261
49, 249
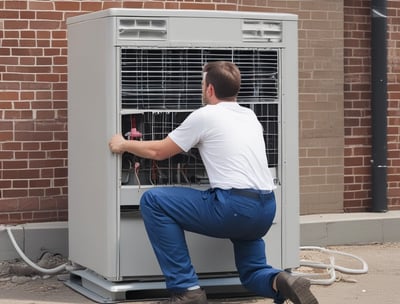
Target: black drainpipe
379, 104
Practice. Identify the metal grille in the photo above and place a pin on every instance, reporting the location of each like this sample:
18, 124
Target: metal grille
185, 168
268, 115
171, 78
160, 87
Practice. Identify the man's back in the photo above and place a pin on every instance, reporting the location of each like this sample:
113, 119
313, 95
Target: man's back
231, 144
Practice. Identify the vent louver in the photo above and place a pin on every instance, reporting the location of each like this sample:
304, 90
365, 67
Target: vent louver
142, 29
171, 78
261, 30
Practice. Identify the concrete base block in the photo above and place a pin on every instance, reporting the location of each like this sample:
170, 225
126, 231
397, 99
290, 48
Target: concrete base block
34, 240
315, 230
349, 228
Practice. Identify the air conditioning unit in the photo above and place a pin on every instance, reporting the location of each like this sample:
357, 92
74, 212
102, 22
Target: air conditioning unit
139, 72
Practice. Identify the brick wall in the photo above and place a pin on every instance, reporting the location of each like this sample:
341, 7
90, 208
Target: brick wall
33, 126
33, 102
357, 178
357, 90
321, 106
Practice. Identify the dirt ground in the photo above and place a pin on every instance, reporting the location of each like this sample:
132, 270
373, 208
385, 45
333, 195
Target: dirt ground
19, 285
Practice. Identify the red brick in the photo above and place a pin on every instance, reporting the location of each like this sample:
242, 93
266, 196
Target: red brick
26, 52
7, 205
33, 136
6, 136
27, 216
46, 163
5, 51
45, 215
36, 192
9, 14
139, 4
49, 15
5, 184
44, 61
15, 217
12, 146
39, 183
10, 34
47, 77
4, 218
27, 60
15, 165
60, 136
16, 24
49, 192
24, 125
46, 146
41, 5
21, 155
8, 96
111, 4
20, 184
21, 105
59, 34
27, 204
58, 154
21, 174
16, 4
91, 6
67, 5
60, 182
27, 15
43, 43
14, 193
9, 114
44, 25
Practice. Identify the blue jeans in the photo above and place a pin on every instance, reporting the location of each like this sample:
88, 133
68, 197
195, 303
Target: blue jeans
168, 211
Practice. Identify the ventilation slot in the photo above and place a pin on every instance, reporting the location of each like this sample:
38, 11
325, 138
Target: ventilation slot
142, 29
261, 30
171, 78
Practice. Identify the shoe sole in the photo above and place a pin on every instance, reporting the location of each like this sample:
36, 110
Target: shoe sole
301, 290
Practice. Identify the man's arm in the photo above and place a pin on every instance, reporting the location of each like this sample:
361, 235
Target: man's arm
151, 149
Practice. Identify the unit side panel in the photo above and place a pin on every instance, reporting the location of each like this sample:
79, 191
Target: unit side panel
210, 256
92, 168
290, 146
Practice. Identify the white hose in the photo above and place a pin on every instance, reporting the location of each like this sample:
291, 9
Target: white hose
331, 267
29, 262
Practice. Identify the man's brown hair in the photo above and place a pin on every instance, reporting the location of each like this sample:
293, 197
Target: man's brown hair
225, 78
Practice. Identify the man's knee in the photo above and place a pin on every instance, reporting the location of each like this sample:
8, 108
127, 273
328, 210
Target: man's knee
146, 203
149, 199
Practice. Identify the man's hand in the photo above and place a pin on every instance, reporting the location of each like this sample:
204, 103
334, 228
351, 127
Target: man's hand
117, 143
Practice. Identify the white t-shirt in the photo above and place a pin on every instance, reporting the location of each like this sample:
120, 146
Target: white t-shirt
231, 144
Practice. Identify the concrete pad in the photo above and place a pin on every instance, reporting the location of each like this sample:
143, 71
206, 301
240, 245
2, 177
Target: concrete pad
349, 228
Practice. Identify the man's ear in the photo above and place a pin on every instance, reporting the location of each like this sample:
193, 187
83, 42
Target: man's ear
210, 90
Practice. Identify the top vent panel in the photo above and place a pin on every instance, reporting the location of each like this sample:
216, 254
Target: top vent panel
142, 29
261, 30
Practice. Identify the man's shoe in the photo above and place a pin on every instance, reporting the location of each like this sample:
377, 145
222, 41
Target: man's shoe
296, 289
197, 296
